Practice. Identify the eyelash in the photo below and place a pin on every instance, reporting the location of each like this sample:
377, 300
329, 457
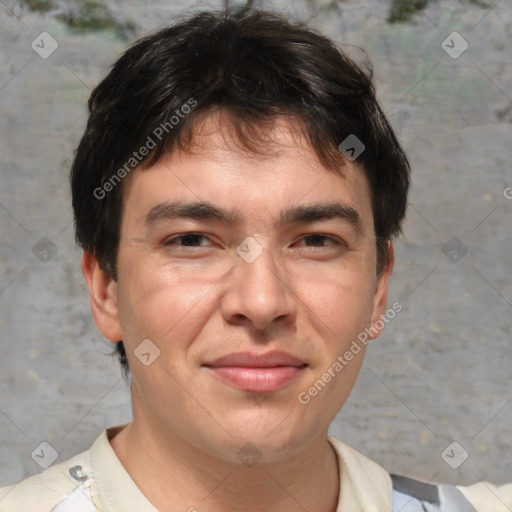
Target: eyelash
183, 236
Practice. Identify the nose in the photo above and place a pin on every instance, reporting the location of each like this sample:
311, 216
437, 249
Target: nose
257, 293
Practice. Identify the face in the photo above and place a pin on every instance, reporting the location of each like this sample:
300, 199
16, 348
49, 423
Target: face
250, 275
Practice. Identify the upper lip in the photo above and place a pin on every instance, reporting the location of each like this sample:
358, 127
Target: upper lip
251, 360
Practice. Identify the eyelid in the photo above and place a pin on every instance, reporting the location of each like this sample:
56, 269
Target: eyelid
333, 238
179, 236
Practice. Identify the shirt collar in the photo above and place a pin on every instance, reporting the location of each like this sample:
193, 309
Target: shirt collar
364, 485
113, 488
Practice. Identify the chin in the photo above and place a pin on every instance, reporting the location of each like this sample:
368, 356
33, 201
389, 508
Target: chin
250, 449
274, 432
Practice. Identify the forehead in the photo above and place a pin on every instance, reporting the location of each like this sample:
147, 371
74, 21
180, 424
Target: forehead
272, 171
262, 139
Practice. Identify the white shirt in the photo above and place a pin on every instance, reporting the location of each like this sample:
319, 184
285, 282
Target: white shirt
95, 481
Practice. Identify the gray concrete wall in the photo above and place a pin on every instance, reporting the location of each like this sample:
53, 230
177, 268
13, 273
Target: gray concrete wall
440, 373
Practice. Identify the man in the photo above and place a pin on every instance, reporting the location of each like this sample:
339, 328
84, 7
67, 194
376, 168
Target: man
236, 193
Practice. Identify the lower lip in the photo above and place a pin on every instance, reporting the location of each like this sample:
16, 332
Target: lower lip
257, 380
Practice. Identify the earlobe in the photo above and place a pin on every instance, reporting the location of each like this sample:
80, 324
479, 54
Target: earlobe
103, 297
380, 299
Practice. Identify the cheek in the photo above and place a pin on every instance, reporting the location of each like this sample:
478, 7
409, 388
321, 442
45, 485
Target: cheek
341, 300
159, 304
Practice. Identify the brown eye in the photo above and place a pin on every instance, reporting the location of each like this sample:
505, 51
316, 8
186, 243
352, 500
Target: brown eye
186, 240
319, 240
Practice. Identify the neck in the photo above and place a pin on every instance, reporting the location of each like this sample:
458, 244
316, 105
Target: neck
173, 475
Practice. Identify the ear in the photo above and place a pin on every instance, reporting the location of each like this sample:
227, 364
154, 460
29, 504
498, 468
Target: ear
103, 297
380, 299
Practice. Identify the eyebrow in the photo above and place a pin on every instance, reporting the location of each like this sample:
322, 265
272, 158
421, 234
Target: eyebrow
293, 215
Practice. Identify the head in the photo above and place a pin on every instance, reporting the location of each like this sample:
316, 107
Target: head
227, 126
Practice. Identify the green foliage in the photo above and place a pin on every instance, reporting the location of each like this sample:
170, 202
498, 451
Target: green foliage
481, 3
40, 5
92, 17
402, 10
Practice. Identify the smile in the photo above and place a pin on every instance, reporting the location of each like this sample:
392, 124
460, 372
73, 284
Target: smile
257, 380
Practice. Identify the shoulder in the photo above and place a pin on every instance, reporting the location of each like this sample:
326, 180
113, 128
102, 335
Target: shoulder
42, 492
485, 496
411, 495
367, 478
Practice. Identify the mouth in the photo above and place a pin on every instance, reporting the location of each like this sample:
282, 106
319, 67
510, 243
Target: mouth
255, 373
